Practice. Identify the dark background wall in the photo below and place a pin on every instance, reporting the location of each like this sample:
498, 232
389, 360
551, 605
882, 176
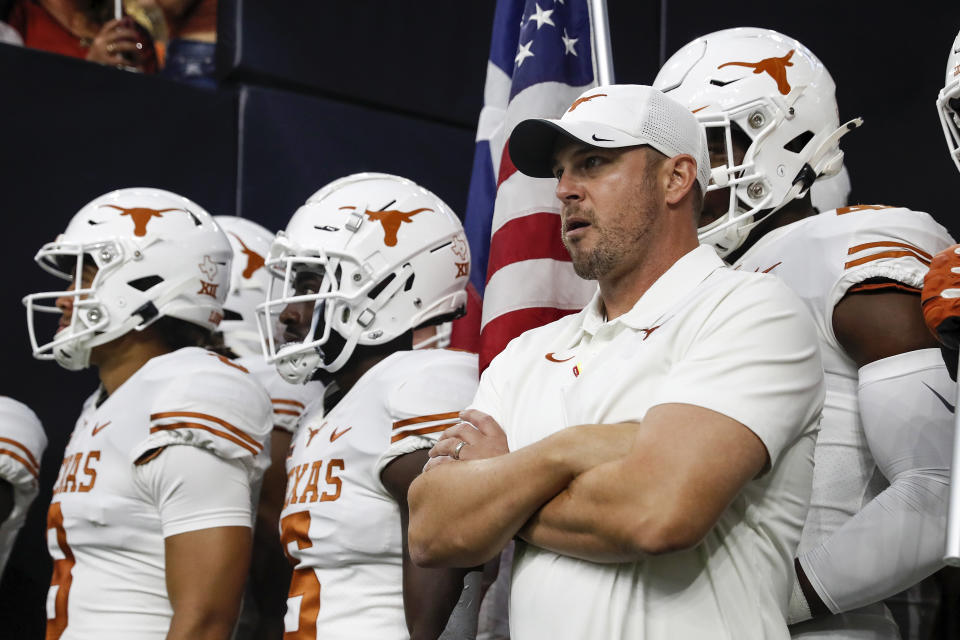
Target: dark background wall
312, 91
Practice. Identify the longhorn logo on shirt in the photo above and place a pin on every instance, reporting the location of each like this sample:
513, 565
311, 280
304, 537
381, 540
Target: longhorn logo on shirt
391, 220
254, 259
580, 101
314, 432
776, 68
141, 216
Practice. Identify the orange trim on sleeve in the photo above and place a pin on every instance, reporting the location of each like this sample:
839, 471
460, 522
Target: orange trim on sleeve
888, 243
204, 416
437, 416
287, 412
878, 286
288, 401
196, 425
26, 451
885, 254
419, 432
23, 461
862, 207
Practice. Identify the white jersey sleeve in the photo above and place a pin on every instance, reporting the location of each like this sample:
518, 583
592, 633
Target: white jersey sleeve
288, 401
428, 401
179, 482
885, 243
22, 442
218, 407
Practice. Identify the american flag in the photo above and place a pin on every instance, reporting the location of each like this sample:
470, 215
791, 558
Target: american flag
542, 56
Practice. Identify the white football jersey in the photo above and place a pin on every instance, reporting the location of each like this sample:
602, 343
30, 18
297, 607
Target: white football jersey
822, 258
340, 527
289, 400
22, 442
104, 529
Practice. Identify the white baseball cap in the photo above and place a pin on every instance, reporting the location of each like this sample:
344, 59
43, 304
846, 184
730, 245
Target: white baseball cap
610, 117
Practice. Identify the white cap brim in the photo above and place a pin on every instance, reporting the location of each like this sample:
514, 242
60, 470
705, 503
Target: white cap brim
533, 142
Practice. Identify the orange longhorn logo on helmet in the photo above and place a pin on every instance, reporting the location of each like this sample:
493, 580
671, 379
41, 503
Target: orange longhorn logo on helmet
254, 259
141, 216
391, 220
776, 68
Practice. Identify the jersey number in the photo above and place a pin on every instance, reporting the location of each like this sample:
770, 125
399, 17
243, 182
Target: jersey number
304, 583
62, 574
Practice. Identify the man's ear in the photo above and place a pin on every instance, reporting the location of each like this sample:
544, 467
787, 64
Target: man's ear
682, 176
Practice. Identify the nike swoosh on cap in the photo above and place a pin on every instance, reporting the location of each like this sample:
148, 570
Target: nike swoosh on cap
596, 139
951, 408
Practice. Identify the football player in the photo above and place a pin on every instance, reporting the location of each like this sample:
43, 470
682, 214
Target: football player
876, 518
22, 442
366, 261
150, 523
241, 339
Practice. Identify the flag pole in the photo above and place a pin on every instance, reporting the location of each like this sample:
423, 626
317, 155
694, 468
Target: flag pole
952, 555
601, 41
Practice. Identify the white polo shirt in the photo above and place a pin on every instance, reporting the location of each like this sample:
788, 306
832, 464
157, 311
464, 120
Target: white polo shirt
738, 343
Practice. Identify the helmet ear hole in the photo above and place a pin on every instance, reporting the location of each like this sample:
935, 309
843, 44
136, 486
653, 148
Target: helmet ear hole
409, 284
145, 283
373, 293
799, 142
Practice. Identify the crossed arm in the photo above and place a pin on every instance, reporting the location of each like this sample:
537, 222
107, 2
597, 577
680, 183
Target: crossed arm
604, 493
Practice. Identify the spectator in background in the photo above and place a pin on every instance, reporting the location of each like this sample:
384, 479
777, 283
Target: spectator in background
192, 26
83, 29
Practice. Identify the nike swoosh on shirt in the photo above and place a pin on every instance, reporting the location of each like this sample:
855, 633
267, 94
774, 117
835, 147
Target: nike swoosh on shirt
552, 357
100, 427
335, 434
951, 408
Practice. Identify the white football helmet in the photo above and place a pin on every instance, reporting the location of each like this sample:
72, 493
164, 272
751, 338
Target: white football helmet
781, 97
248, 283
157, 254
948, 102
392, 257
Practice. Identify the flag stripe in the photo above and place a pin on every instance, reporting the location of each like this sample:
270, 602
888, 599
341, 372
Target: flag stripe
535, 283
501, 330
532, 237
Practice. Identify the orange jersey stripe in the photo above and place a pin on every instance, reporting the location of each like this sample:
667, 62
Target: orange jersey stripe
288, 401
437, 416
287, 412
862, 207
888, 243
34, 472
203, 416
878, 286
36, 465
885, 254
419, 432
195, 425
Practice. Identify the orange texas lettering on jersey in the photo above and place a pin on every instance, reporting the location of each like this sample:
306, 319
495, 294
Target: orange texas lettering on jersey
68, 480
304, 482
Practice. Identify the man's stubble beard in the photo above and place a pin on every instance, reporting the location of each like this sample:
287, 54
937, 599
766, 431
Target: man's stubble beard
614, 243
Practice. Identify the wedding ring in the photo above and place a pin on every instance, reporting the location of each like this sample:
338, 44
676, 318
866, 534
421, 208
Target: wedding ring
456, 451
111, 47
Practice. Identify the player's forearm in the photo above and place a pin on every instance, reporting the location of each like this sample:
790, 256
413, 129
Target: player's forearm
462, 514
891, 544
603, 516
